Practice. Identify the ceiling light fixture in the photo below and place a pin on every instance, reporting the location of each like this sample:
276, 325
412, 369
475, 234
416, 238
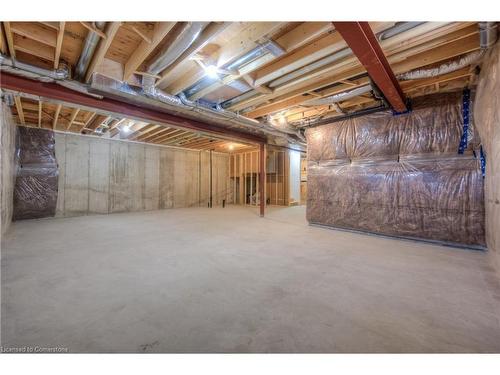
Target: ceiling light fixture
211, 71
125, 129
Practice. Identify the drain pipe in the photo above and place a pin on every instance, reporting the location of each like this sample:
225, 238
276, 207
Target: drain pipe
88, 50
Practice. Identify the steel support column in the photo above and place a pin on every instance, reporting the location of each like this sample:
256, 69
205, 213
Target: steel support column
360, 38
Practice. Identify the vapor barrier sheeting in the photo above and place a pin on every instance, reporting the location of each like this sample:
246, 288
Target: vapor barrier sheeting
399, 175
35, 191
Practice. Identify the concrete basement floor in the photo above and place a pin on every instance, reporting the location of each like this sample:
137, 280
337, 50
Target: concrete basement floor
225, 280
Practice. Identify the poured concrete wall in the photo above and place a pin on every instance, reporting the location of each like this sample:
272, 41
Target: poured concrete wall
487, 119
101, 176
7, 166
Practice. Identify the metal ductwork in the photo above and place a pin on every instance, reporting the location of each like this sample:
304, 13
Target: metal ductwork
259, 51
340, 97
309, 68
10, 65
88, 50
180, 105
398, 28
183, 41
488, 34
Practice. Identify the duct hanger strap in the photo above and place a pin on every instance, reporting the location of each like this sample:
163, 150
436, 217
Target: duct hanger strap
466, 120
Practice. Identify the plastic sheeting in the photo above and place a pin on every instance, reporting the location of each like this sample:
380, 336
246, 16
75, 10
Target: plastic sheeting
487, 116
35, 191
398, 175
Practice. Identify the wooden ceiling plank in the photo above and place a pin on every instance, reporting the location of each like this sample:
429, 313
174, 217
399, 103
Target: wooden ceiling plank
56, 116
173, 135
111, 30
144, 37
3, 42
91, 27
34, 48
73, 117
10, 39
60, 37
35, 31
19, 107
161, 30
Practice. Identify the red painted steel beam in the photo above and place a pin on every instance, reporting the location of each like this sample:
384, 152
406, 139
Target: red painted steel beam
360, 38
57, 92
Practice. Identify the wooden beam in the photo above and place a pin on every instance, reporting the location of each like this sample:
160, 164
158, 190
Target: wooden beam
56, 116
89, 26
111, 30
210, 32
3, 41
34, 48
10, 39
144, 37
60, 37
40, 113
35, 31
140, 54
72, 118
19, 107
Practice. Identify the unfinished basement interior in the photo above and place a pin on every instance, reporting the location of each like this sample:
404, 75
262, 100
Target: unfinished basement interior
250, 187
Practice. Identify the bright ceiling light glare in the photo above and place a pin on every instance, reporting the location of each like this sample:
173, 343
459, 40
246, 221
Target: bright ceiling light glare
211, 71
282, 120
230, 147
125, 129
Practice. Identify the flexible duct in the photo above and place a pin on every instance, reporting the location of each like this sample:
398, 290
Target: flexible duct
444, 68
88, 50
488, 35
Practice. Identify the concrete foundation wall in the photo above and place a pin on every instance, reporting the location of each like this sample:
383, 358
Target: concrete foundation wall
487, 120
101, 176
7, 165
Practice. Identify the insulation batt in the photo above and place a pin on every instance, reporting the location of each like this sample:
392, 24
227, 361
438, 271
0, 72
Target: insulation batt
398, 175
35, 190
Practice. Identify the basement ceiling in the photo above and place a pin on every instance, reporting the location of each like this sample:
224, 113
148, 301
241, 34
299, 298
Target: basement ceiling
297, 64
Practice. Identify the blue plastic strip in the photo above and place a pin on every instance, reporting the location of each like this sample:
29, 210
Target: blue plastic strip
466, 120
482, 158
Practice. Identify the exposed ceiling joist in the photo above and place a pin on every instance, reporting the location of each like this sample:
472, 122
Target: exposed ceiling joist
160, 31
362, 41
102, 49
